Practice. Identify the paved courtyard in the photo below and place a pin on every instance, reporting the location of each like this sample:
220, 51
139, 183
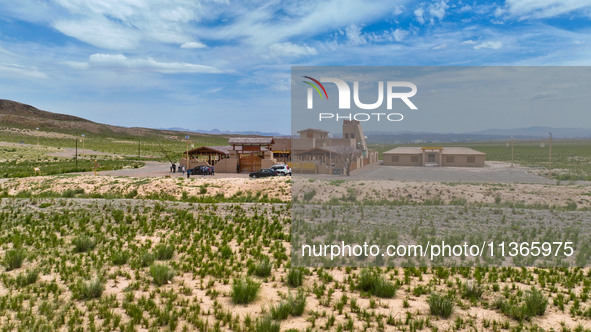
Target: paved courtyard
493, 172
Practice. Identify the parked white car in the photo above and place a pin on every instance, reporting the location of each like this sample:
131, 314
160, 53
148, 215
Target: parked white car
282, 169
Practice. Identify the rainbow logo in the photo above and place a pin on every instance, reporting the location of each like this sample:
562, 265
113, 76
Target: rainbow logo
316, 87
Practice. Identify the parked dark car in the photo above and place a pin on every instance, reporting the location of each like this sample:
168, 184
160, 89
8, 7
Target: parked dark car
202, 170
263, 173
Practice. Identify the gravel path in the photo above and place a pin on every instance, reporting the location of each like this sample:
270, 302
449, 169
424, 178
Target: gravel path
160, 169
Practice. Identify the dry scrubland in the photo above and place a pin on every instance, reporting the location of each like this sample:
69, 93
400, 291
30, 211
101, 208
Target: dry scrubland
540, 195
164, 261
192, 189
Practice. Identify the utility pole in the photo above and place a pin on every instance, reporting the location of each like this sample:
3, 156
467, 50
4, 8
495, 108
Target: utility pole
511, 151
550, 157
37, 136
76, 155
139, 152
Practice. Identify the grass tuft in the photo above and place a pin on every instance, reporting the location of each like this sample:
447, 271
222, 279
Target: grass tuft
88, 290
244, 290
267, 324
164, 252
440, 305
373, 283
83, 243
13, 259
161, 274
262, 269
295, 277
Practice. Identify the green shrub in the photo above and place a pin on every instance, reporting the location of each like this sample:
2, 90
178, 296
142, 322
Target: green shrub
384, 289
262, 269
226, 252
83, 244
88, 290
69, 193
297, 304
294, 306
120, 258
13, 259
164, 252
472, 290
267, 324
244, 290
145, 259
440, 305
133, 193
309, 195
280, 311
161, 274
295, 277
27, 278
373, 283
535, 302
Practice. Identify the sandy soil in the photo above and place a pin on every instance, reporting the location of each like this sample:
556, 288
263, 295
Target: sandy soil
528, 194
37, 133
71, 152
274, 188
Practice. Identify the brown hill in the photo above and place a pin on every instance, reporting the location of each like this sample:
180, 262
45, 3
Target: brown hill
15, 114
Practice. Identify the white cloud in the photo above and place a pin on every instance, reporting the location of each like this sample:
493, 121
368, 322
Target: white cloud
495, 45
354, 35
262, 26
291, 50
546, 8
124, 24
99, 32
193, 44
121, 62
76, 64
400, 34
465, 8
21, 71
419, 14
438, 10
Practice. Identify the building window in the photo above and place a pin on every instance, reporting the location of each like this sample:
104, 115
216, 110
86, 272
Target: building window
395, 159
414, 159
449, 159
346, 135
352, 135
471, 159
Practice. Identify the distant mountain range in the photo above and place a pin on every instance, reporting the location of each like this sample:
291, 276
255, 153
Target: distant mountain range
529, 133
15, 114
226, 132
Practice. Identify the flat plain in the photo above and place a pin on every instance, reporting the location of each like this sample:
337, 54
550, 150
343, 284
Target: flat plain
123, 252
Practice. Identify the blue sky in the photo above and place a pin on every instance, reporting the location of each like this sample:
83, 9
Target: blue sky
226, 65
